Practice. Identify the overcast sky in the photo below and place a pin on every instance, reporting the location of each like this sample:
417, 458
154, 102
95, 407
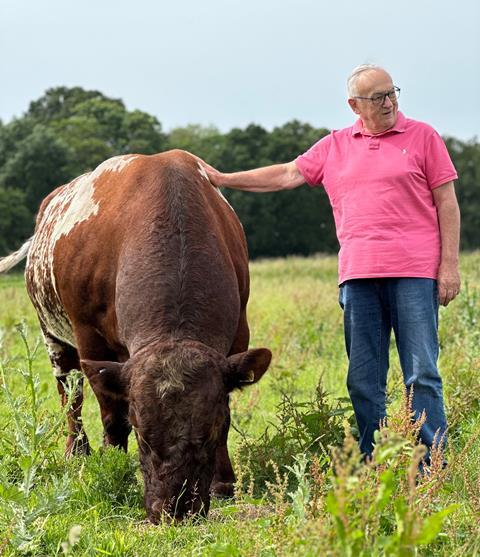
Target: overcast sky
232, 62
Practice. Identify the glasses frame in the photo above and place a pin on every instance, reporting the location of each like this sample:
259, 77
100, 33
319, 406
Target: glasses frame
379, 99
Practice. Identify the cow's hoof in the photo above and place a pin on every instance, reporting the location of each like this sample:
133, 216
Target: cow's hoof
221, 490
77, 446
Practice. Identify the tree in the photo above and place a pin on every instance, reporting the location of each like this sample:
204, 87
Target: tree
40, 164
142, 133
99, 128
292, 139
205, 142
60, 102
466, 158
16, 221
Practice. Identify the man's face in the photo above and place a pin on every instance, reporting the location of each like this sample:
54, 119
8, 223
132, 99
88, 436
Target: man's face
380, 117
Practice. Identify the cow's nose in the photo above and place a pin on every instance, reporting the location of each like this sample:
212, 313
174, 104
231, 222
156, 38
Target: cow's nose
162, 511
159, 512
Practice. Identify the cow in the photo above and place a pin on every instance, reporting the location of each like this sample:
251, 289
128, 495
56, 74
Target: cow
138, 272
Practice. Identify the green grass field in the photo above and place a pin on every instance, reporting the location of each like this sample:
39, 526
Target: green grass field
297, 495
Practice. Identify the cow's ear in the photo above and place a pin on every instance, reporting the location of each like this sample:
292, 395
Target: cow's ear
107, 378
247, 367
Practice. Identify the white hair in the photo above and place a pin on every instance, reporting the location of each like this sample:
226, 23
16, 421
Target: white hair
353, 77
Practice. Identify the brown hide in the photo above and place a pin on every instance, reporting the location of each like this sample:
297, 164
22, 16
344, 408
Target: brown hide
143, 262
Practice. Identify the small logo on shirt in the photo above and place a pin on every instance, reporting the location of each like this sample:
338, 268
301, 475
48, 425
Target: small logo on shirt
404, 152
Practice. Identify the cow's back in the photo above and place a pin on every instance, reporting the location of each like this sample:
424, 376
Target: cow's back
143, 246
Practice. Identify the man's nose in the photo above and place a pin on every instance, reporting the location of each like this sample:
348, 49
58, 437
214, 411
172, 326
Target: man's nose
387, 101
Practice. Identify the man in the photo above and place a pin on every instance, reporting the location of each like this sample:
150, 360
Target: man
390, 183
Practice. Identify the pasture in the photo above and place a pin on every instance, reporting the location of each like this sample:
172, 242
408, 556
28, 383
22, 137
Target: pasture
301, 488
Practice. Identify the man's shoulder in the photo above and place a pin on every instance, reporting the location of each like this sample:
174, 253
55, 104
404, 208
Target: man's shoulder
345, 132
418, 126
340, 135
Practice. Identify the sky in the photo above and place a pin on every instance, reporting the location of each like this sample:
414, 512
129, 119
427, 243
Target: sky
229, 63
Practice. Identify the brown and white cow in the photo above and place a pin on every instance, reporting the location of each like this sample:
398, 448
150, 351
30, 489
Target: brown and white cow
139, 275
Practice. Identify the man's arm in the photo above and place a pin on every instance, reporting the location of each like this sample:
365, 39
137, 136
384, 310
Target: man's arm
449, 222
269, 178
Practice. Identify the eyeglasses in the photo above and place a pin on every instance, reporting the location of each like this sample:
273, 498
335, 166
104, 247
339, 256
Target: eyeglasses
379, 98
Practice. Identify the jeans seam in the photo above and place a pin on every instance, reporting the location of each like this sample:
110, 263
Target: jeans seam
379, 357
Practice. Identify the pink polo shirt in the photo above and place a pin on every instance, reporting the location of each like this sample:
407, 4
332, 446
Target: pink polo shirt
379, 187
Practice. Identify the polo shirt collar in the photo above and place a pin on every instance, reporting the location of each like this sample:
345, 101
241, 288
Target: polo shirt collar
400, 126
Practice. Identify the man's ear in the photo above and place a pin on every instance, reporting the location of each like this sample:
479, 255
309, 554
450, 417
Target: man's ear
353, 105
107, 378
247, 367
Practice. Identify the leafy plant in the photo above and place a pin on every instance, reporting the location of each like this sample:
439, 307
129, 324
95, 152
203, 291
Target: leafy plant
386, 506
28, 442
307, 427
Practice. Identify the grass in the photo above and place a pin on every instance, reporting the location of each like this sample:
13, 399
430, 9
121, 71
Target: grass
302, 489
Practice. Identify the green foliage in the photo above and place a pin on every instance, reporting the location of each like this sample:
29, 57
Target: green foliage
109, 478
16, 220
301, 496
206, 142
27, 448
310, 427
378, 507
38, 166
59, 102
466, 158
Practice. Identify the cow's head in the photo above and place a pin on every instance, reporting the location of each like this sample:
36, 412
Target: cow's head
178, 404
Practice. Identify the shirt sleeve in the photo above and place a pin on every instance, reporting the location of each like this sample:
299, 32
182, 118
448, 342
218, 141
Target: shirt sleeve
312, 163
439, 168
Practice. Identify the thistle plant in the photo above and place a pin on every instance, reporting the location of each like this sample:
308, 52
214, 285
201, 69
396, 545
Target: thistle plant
29, 442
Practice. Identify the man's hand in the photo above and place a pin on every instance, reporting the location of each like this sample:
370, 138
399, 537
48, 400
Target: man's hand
213, 174
448, 283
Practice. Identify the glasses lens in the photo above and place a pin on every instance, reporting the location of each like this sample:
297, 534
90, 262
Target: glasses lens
394, 94
378, 99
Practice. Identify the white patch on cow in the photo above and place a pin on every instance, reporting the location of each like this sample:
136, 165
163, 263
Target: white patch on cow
55, 351
73, 204
223, 197
204, 174
202, 171
78, 195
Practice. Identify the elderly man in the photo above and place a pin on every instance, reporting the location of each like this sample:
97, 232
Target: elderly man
390, 183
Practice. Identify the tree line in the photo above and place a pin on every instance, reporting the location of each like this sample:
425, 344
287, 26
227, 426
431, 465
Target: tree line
69, 131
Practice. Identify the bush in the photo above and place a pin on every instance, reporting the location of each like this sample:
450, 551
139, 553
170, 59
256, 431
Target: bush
309, 427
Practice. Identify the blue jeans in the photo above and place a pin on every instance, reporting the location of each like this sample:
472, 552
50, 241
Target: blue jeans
372, 307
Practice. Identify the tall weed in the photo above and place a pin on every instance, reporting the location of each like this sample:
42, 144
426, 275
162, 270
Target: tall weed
388, 505
301, 427
28, 447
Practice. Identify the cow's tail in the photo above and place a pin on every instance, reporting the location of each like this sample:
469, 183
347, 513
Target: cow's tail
6, 263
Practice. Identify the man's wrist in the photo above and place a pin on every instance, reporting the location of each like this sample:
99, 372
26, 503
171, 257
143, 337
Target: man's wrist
225, 180
449, 261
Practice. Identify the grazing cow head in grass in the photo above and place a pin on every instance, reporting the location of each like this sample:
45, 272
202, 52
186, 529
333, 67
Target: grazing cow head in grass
178, 403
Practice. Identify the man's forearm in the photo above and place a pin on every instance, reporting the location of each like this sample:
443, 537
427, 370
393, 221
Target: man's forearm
449, 224
269, 178
448, 213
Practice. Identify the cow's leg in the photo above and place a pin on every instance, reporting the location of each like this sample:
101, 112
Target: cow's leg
113, 409
224, 476
64, 359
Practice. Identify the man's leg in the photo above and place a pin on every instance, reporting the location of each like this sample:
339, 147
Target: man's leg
367, 337
414, 304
